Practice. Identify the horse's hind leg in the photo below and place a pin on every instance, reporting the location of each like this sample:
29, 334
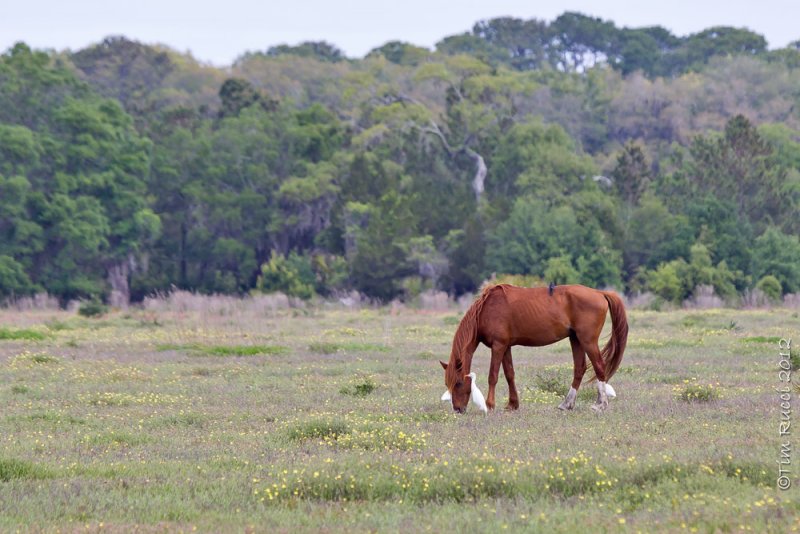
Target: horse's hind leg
508, 370
593, 351
578, 369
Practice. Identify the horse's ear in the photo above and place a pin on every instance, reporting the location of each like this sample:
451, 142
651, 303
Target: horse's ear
444, 365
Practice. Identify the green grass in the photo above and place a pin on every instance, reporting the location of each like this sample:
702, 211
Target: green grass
116, 439
59, 326
319, 428
244, 350
179, 420
49, 417
772, 340
21, 334
559, 478
11, 469
329, 347
558, 381
331, 421
224, 350
451, 320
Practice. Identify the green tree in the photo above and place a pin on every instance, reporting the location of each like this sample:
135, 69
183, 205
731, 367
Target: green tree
534, 233
778, 254
401, 53
237, 94
737, 166
125, 70
722, 40
631, 174
78, 168
560, 270
581, 41
534, 158
13, 278
314, 49
377, 245
653, 235
523, 42
645, 49
465, 249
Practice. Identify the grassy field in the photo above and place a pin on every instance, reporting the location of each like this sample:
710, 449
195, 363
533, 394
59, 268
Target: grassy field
282, 420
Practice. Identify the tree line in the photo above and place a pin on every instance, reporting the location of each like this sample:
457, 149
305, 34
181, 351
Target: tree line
568, 152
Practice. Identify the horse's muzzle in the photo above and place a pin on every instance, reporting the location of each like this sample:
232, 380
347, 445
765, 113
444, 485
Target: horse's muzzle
460, 410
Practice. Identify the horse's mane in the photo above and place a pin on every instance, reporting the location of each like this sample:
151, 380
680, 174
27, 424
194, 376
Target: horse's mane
465, 335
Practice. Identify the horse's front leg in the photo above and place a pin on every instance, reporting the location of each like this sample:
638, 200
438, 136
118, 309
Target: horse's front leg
508, 370
498, 351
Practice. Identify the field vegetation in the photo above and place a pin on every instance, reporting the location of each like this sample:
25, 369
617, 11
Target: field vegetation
287, 420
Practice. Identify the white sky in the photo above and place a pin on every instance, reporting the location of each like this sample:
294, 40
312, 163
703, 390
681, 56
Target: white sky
218, 32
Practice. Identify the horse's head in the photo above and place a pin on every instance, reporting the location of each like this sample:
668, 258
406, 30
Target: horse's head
459, 388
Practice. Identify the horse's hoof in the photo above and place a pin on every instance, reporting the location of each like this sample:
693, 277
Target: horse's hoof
512, 406
600, 408
565, 406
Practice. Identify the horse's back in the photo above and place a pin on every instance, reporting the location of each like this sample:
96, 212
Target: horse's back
540, 316
525, 316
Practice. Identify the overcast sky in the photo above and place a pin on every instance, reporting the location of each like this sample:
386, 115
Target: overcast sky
219, 31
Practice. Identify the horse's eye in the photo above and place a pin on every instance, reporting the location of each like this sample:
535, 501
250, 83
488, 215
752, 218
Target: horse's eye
459, 384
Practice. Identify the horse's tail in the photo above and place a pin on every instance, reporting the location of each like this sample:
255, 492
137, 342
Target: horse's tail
612, 352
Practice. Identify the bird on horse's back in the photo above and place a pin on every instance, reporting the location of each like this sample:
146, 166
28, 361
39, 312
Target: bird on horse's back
504, 316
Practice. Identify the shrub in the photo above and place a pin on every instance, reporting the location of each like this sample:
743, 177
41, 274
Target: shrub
43, 358
360, 389
559, 270
290, 274
668, 280
704, 297
693, 392
92, 308
324, 347
776, 253
330, 272
771, 287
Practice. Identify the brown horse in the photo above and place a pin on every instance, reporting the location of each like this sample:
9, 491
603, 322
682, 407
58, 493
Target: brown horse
504, 316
